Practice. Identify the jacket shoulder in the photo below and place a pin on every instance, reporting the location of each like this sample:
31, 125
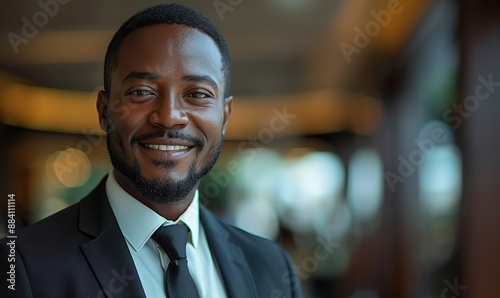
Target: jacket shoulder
269, 264
253, 246
51, 225
57, 229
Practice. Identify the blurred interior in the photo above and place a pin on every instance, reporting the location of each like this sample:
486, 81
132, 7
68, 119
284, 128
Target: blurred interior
367, 130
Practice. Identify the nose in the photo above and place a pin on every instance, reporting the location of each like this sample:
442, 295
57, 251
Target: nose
168, 113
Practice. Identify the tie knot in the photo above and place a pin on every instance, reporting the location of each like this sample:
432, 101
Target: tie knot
172, 240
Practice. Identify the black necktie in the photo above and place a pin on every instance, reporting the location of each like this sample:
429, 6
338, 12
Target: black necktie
173, 240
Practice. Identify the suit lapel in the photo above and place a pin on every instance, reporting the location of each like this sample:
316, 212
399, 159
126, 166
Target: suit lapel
107, 254
229, 257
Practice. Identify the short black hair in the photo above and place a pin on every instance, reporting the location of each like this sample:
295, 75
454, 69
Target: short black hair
166, 14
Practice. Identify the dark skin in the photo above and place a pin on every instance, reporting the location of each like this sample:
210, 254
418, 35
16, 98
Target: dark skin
168, 80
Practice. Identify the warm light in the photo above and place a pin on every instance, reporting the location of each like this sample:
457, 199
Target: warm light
68, 168
266, 117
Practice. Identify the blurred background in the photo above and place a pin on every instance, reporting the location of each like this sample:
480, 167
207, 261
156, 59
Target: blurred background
364, 138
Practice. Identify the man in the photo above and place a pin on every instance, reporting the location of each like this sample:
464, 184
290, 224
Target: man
164, 107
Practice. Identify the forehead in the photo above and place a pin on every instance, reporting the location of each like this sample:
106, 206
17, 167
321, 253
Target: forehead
169, 48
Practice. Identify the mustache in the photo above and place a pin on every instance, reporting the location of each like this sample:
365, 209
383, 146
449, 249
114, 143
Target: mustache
167, 134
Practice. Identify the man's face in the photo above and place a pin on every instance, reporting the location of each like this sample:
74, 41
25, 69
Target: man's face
165, 113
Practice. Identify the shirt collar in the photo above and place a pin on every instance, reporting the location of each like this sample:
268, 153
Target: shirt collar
138, 222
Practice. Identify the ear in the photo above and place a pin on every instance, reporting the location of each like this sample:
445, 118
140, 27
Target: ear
102, 110
228, 105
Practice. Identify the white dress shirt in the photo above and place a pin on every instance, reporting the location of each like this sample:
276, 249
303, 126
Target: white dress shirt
138, 222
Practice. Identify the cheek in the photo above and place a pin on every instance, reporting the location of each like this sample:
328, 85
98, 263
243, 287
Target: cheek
212, 129
213, 120
125, 119
118, 110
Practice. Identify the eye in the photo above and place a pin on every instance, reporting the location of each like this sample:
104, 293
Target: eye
140, 95
140, 92
199, 95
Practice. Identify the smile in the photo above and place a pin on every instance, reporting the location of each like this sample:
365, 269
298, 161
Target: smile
166, 147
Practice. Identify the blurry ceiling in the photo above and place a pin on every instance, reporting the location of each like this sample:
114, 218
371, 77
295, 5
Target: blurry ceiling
284, 52
269, 40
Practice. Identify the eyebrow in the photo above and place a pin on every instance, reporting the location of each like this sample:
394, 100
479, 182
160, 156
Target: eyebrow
200, 79
142, 76
153, 75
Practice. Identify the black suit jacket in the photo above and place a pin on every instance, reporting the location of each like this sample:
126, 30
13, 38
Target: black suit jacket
81, 252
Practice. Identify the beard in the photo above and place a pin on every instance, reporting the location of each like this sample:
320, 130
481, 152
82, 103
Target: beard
161, 190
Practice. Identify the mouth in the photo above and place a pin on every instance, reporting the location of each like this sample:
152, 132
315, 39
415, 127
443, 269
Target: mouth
166, 147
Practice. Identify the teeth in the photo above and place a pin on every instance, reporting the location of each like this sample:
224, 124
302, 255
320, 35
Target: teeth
166, 147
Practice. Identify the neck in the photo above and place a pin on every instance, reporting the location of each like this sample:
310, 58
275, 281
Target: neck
171, 210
